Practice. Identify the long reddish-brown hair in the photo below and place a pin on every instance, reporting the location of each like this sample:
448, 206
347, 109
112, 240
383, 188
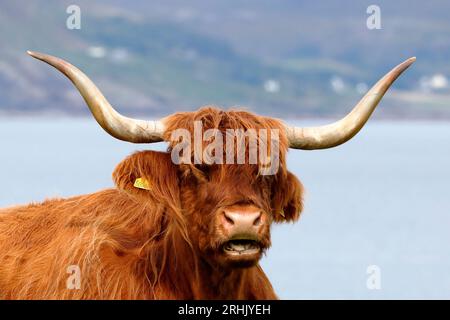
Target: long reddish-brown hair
131, 243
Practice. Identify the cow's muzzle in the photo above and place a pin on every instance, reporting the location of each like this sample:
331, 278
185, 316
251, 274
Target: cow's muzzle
243, 226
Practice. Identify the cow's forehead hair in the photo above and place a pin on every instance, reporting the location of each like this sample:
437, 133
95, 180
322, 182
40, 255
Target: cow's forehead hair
212, 117
215, 118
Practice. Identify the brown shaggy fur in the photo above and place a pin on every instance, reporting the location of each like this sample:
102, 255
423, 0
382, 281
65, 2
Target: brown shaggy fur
137, 244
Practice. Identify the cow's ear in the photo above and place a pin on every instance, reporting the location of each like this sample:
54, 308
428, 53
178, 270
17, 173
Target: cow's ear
148, 174
287, 199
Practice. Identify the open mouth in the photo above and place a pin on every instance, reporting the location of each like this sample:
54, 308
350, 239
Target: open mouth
241, 247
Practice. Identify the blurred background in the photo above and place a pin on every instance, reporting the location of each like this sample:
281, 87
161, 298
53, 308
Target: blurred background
380, 200
285, 58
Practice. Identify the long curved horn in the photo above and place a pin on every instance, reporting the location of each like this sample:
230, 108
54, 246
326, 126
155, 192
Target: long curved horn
120, 127
334, 134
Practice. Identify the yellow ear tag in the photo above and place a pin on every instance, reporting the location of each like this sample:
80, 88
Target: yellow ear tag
142, 183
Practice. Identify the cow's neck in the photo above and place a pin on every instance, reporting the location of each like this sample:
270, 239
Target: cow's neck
219, 283
192, 277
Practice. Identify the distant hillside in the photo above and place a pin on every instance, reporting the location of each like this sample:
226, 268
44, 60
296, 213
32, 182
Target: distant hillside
285, 58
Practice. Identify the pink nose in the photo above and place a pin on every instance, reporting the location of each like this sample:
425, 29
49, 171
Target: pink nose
242, 221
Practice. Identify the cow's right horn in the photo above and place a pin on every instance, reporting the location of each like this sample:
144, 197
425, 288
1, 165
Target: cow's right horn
120, 127
332, 135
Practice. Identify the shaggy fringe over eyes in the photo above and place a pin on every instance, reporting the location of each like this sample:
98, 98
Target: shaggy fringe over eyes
214, 118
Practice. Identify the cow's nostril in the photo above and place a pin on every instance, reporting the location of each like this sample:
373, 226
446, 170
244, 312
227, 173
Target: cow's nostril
228, 219
257, 220
238, 220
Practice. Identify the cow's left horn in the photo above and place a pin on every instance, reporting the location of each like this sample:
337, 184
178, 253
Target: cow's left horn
120, 127
334, 134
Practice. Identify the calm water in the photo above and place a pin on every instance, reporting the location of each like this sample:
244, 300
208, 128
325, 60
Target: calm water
382, 199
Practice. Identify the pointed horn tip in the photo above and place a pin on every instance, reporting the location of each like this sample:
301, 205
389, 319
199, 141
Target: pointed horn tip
34, 54
401, 67
39, 56
409, 61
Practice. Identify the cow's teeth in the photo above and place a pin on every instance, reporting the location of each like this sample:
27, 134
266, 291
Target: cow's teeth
240, 247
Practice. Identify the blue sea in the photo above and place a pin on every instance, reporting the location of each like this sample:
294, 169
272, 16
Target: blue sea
382, 199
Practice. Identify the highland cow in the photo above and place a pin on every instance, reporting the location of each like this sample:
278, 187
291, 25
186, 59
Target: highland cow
167, 230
